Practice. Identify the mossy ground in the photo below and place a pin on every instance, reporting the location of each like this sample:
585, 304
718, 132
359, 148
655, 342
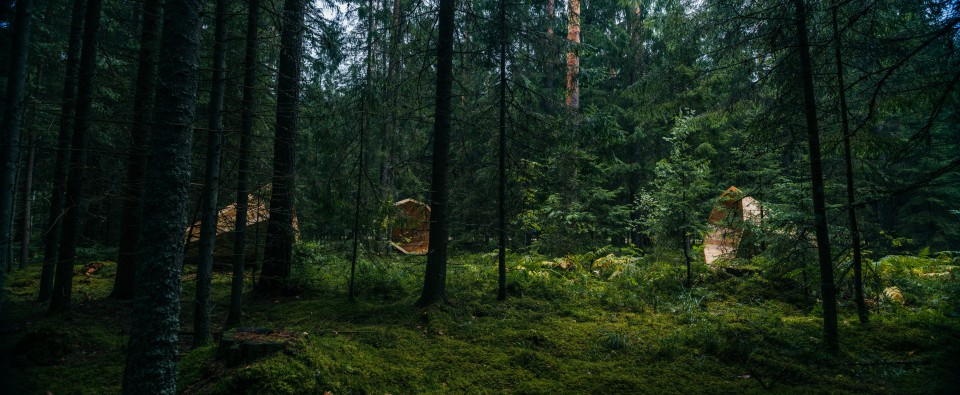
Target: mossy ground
587, 324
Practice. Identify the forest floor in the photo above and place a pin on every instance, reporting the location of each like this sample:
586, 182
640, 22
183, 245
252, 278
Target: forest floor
595, 323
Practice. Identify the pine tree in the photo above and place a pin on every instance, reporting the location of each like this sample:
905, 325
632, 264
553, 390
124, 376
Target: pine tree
211, 185
278, 250
63, 280
151, 366
10, 127
848, 167
68, 104
435, 277
243, 161
26, 201
501, 160
827, 288
573, 57
139, 131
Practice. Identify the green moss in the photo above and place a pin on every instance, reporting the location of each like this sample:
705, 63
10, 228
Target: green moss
639, 331
197, 367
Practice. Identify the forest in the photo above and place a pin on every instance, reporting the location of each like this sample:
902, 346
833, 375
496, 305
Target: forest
468, 196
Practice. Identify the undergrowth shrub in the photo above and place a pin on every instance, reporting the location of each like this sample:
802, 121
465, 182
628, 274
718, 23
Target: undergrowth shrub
920, 281
538, 281
322, 268
318, 268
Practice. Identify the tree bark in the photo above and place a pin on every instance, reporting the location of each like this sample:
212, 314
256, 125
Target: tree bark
848, 164
827, 288
502, 162
365, 97
549, 66
435, 276
151, 366
634, 149
211, 185
8, 248
139, 132
10, 132
573, 57
243, 172
26, 204
387, 168
636, 40
63, 281
280, 232
68, 106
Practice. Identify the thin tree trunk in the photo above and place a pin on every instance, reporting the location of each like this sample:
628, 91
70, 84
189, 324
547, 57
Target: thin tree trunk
12, 118
63, 282
26, 194
502, 162
827, 288
211, 185
636, 40
387, 178
435, 276
363, 126
356, 216
243, 172
686, 256
280, 232
8, 248
634, 178
151, 363
61, 165
549, 66
848, 164
573, 57
140, 130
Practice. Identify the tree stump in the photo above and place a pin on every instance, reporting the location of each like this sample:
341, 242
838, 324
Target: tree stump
245, 345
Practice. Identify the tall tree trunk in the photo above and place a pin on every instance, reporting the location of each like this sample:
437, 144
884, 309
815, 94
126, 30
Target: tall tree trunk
573, 57
365, 97
8, 248
387, 177
502, 162
435, 276
10, 132
685, 233
26, 204
211, 185
151, 364
636, 41
243, 172
686, 256
848, 164
393, 63
549, 66
139, 132
68, 104
356, 213
280, 232
63, 282
634, 154
827, 288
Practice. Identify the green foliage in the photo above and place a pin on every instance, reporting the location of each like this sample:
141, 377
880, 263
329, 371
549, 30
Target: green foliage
933, 282
573, 200
674, 208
